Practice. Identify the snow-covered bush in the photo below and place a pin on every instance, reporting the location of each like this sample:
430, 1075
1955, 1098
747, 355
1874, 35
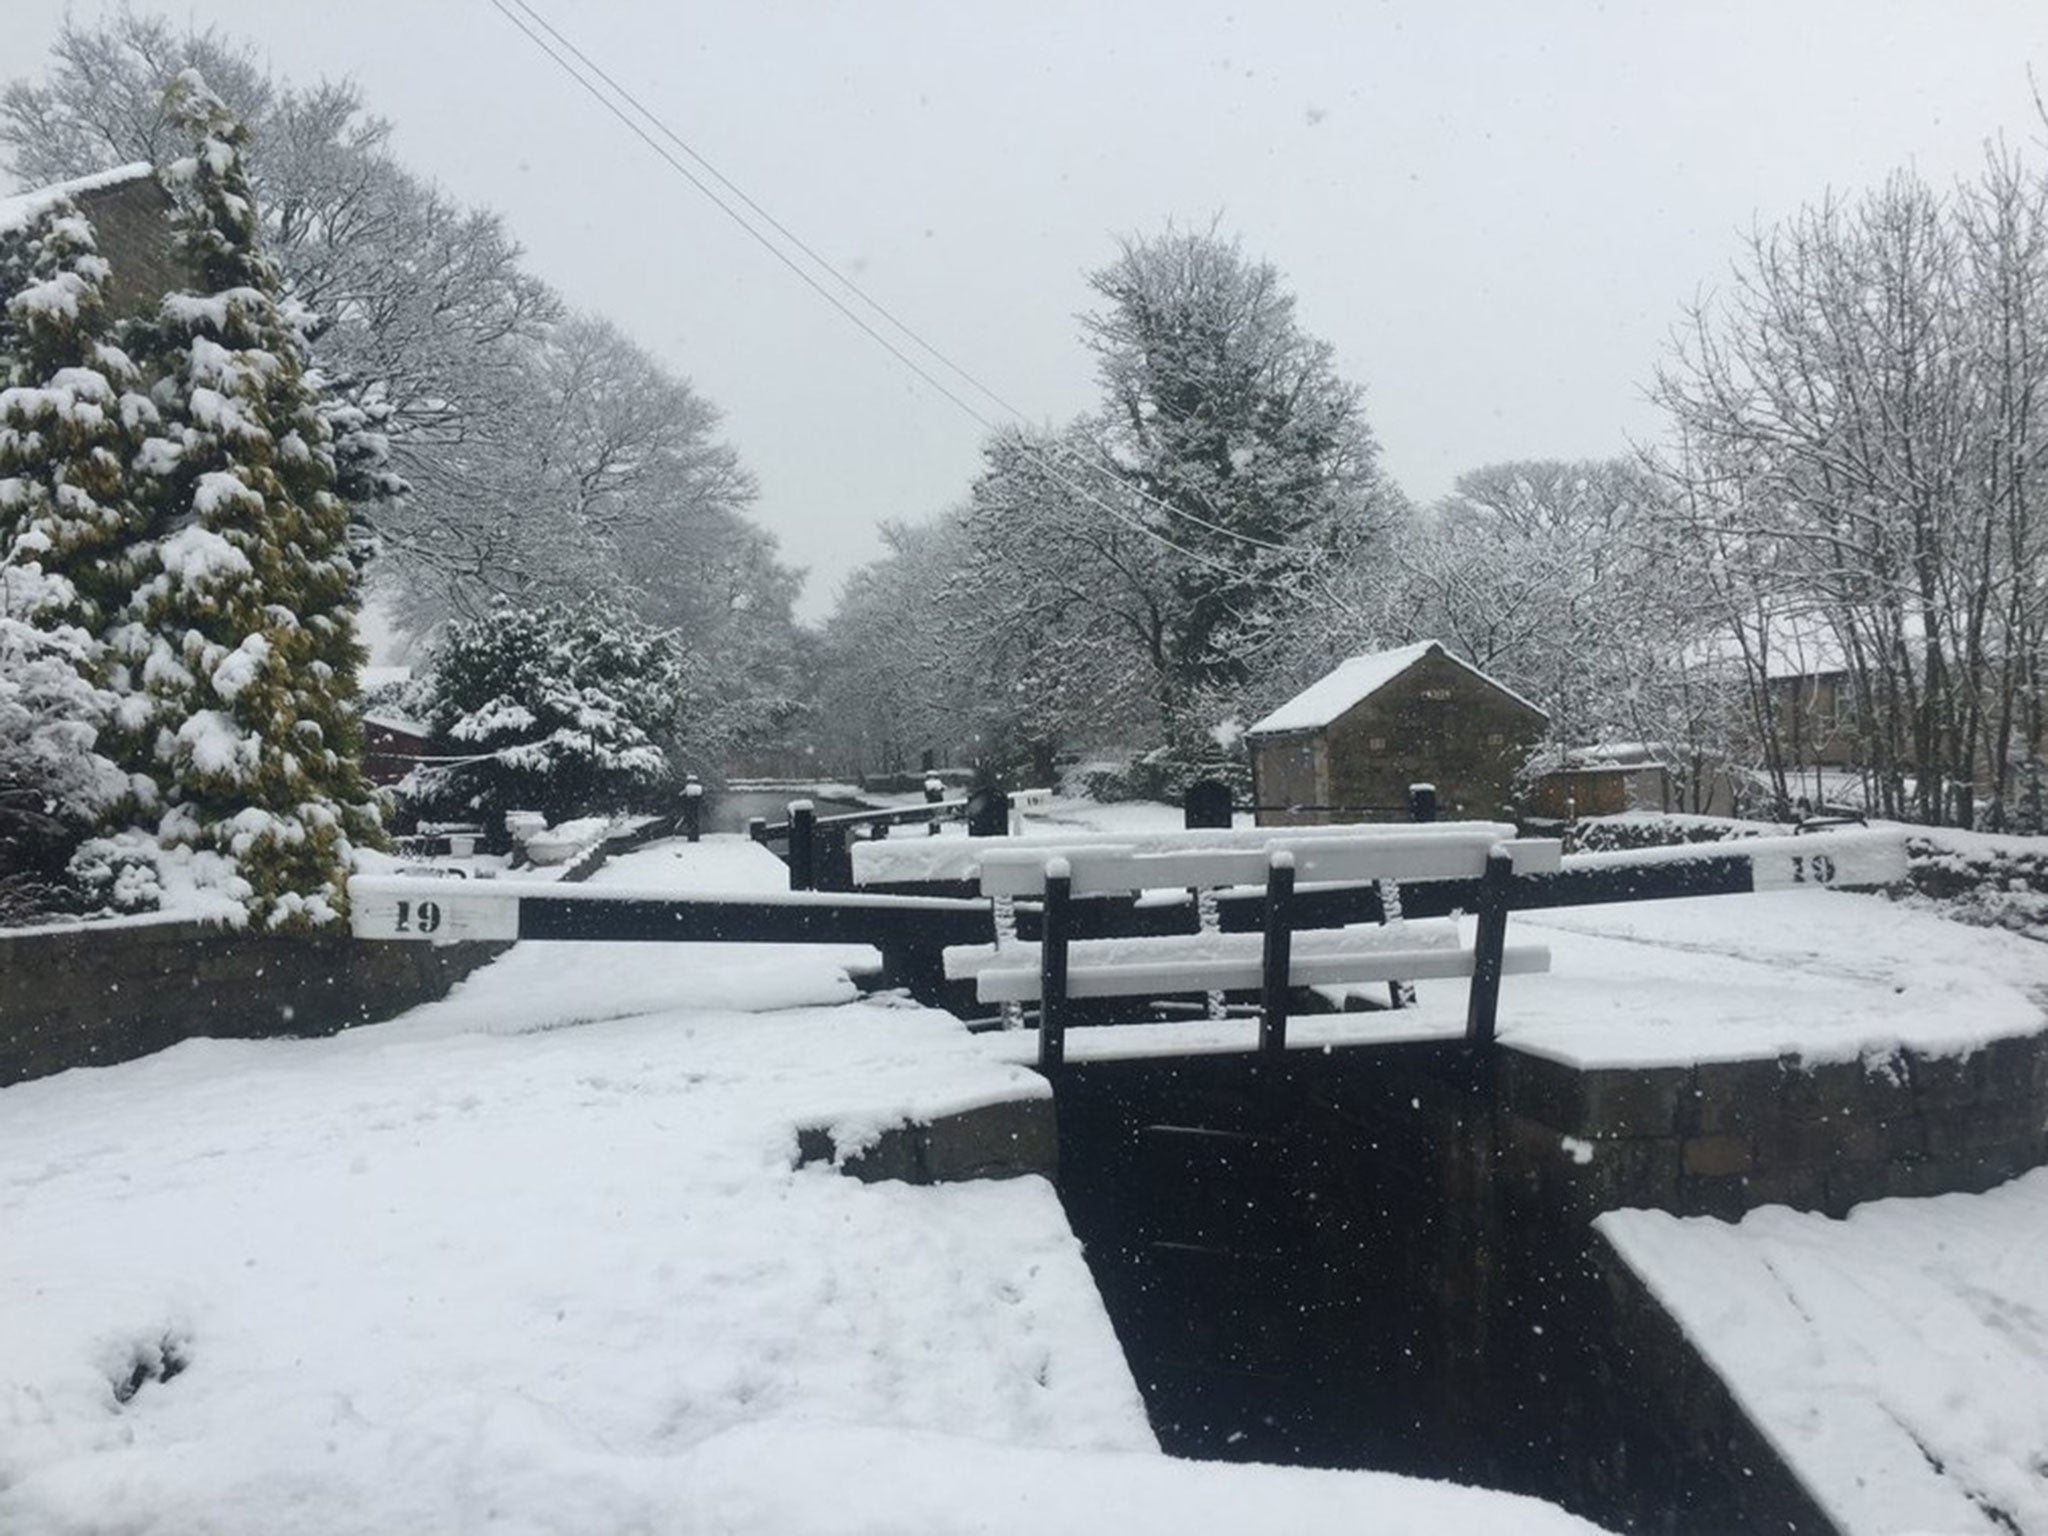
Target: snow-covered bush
1653, 829
53, 784
555, 709
1986, 881
1164, 774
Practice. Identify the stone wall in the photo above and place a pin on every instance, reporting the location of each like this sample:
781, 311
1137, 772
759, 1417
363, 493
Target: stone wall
1722, 1138
132, 222
94, 995
1004, 1140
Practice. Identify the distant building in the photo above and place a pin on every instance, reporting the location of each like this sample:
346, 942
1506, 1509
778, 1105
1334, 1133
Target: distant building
394, 745
130, 214
1348, 747
1614, 777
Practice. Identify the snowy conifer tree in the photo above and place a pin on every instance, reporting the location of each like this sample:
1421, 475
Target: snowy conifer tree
69, 420
241, 633
563, 711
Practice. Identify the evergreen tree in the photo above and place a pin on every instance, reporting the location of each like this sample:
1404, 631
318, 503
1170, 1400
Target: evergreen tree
1249, 453
240, 635
69, 419
559, 710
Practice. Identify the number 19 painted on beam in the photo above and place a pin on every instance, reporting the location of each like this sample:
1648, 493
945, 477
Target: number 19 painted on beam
1862, 860
437, 911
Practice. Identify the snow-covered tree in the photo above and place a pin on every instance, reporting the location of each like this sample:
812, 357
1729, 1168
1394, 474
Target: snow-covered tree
549, 708
55, 783
1861, 422
239, 642
1171, 544
1249, 454
69, 420
422, 304
1068, 606
488, 442
1132, 578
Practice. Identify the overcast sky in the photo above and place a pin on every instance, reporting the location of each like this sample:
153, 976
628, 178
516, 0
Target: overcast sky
1494, 211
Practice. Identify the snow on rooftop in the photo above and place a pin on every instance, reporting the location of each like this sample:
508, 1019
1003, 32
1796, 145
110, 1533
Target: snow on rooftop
24, 208
392, 720
1354, 681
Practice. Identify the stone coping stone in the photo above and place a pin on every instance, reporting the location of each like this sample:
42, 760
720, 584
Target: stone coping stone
1722, 1138
1004, 1140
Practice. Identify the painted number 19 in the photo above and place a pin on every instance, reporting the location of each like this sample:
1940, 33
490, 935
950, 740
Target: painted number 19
1807, 869
425, 916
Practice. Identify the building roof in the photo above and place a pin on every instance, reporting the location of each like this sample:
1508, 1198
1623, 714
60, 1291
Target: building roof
402, 725
24, 208
1353, 682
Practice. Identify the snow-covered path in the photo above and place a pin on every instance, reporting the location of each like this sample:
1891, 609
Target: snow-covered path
537, 1258
1898, 1358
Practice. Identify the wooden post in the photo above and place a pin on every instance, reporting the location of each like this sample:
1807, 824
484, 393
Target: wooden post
1422, 802
1279, 953
934, 792
1496, 887
803, 846
1052, 965
693, 809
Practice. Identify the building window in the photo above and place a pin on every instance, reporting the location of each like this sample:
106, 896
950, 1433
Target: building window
1496, 739
1376, 744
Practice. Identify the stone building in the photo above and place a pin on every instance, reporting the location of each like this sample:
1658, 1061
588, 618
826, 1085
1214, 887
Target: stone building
130, 214
1348, 747
1610, 778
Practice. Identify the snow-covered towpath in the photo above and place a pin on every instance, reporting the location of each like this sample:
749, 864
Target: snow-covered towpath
1898, 1359
537, 1258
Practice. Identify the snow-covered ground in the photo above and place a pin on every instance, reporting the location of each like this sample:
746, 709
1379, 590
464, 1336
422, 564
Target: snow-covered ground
1826, 975
1898, 1359
537, 1258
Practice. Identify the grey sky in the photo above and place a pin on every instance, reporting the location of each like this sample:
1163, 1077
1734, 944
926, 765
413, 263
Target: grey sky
1494, 211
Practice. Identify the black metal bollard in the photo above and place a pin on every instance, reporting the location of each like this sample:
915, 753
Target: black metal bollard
934, 792
757, 829
803, 846
1206, 804
832, 858
1422, 802
693, 809
988, 813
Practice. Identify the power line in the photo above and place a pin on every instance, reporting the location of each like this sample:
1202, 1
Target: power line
727, 209
765, 216
504, 8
